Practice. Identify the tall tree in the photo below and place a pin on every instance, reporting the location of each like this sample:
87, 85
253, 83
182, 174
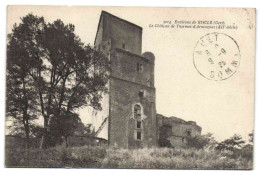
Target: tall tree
21, 94
66, 74
75, 74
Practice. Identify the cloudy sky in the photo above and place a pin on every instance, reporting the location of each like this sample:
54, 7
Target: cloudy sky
220, 107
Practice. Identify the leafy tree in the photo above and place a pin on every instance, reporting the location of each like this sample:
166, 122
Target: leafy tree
247, 151
233, 143
201, 141
21, 103
65, 126
77, 74
66, 74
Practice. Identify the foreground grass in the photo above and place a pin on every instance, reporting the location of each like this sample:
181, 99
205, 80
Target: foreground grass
148, 158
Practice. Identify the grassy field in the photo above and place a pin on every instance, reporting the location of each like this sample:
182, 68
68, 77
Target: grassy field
148, 158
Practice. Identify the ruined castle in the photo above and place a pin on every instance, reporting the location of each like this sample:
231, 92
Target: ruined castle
129, 117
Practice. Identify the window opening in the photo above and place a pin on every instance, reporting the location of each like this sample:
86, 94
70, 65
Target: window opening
138, 135
139, 67
138, 124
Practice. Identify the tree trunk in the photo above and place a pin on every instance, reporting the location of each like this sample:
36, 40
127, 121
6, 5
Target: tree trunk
25, 115
26, 129
27, 134
66, 141
45, 138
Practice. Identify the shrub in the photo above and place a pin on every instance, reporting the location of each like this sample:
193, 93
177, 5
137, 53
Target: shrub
231, 144
201, 141
247, 152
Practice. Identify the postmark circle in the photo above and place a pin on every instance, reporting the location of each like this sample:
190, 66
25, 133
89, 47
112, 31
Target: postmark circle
216, 56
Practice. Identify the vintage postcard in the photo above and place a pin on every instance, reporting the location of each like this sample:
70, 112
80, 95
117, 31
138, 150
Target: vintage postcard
130, 87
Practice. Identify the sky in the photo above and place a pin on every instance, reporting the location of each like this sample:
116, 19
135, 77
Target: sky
220, 107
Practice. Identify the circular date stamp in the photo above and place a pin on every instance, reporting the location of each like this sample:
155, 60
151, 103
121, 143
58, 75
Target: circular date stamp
216, 56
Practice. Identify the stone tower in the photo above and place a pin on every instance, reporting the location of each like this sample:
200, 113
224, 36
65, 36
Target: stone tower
128, 118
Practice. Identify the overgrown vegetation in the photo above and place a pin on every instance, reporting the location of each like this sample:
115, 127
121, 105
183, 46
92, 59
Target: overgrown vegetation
201, 152
202, 141
235, 145
149, 158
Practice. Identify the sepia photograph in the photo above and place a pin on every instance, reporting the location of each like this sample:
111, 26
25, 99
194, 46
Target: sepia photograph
130, 87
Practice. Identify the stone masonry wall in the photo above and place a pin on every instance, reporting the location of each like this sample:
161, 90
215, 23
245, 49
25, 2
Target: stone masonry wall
124, 96
180, 129
125, 85
122, 32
